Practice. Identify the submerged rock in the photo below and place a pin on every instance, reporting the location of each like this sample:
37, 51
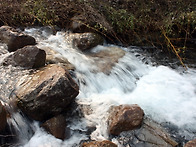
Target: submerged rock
3, 118
46, 93
104, 143
85, 41
53, 57
124, 118
56, 126
15, 39
191, 143
28, 57
107, 58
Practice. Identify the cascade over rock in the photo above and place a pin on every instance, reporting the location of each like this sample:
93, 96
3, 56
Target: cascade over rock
124, 118
112, 53
56, 126
46, 93
53, 57
28, 57
15, 39
104, 143
3, 118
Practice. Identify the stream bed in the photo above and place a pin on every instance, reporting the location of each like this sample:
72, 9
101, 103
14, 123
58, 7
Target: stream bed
167, 95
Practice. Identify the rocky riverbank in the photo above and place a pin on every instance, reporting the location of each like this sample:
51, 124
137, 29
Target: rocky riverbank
45, 91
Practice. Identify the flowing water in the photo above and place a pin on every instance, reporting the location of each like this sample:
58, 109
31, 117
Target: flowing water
166, 95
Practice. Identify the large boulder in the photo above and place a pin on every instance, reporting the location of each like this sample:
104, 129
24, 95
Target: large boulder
104, 143
46, 93
3, 118
28, 57
191, 143
124, 118
15, 39
85, 41
56, 126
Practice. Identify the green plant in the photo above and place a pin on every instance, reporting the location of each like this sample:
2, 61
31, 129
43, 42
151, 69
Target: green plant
121, 19
40, 12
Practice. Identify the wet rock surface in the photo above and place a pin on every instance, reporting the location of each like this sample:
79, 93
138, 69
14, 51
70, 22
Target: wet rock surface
151, 134
124, 118
46, 93
106, 59
104, 143
85, 41
27, 57
15, 39
53, 57
56, 126
10, 76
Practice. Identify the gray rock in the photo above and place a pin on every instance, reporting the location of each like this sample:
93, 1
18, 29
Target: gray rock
27, 57
151, 134
46, 93
124, 118
15, 39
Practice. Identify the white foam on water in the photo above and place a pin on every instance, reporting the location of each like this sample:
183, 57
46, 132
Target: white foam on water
165, 94
43, 139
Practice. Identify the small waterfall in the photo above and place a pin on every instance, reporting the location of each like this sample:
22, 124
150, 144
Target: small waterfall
167, 96
18, 125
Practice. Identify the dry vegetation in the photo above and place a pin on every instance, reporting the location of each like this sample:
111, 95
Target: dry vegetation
166, 24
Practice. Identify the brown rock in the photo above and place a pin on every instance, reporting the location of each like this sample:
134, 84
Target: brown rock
104, 143
28, 57
85, 41
46, 93
56, 126
3, 120
191, 143
15, 39
124, 118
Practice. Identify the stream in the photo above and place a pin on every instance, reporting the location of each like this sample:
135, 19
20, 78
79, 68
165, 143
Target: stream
166, 95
